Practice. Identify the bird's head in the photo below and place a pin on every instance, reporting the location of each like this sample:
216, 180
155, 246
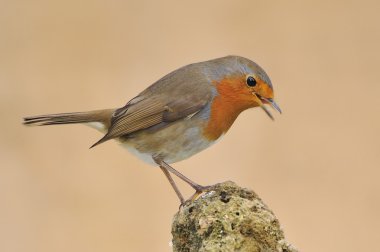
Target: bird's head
245, 83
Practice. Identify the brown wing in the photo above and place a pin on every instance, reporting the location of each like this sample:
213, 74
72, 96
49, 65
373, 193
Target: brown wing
142, 113
177, 95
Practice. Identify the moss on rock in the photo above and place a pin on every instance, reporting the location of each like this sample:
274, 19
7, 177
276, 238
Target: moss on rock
228, 218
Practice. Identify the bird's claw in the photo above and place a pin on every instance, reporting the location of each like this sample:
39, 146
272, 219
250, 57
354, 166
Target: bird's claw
198, 191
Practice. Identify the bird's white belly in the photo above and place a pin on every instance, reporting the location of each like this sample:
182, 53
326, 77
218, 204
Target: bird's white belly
174, 143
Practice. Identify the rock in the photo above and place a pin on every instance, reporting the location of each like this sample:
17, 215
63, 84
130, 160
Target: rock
228, 218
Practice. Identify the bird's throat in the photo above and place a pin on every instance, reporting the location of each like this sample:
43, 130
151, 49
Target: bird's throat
226, 106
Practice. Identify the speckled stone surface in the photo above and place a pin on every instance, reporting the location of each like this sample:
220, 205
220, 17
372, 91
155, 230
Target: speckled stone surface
228, 218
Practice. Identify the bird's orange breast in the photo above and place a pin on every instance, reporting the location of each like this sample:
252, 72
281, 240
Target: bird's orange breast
232, 98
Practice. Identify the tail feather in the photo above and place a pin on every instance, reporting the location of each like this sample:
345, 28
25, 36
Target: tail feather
97, 116
103, 116
64, 118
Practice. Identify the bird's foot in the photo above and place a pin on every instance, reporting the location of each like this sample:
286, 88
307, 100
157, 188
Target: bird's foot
198, 191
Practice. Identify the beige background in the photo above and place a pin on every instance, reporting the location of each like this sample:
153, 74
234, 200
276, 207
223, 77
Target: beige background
317, 165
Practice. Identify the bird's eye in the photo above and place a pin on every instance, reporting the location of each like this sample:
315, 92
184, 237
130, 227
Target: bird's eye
251, 81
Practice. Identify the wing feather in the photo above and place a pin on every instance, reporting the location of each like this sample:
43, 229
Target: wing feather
154, 107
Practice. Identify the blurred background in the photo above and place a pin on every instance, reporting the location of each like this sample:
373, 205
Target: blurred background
316, 166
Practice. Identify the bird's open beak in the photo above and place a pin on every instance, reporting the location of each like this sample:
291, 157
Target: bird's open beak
270, 102
273, 104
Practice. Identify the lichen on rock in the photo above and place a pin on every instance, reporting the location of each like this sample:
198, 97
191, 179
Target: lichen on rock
228, 218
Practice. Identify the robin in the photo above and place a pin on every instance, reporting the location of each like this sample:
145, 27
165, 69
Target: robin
181, 114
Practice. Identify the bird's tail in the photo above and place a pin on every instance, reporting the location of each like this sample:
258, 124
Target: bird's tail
101, 116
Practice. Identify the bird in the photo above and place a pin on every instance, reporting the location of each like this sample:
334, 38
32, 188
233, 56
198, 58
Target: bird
181, 114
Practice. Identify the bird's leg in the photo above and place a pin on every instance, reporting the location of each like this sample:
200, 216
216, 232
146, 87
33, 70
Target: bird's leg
194, 185
171, 181
169, 177
166, 168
